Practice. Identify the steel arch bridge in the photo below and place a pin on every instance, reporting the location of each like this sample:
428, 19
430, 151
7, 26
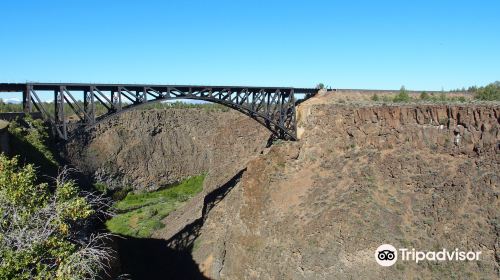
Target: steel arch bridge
273, 107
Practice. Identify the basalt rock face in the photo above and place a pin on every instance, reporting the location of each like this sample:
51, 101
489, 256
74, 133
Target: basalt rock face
423, 177
147, 149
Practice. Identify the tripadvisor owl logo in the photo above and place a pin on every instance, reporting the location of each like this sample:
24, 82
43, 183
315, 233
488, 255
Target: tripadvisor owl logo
386, 255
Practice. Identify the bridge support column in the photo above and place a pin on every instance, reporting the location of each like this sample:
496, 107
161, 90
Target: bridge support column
27, 103
59, 118
294, 113
116, 99
89, 106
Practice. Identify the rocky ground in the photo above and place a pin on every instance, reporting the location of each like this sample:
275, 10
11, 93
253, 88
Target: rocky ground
420, 176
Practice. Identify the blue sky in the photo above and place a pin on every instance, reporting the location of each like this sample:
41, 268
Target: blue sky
345, 44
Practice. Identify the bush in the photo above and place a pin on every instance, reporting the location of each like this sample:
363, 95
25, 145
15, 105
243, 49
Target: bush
424, 96
9, 107
375, 97
402, 96
386, 99
490, 92
31, 141
38, 227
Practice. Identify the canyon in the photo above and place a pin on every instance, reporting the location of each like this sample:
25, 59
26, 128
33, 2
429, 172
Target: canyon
423, 176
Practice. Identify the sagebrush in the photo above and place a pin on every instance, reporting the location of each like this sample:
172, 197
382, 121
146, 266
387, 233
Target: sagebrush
41, 227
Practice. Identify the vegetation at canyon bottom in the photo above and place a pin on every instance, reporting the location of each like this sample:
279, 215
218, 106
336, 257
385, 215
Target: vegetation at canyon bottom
138, 215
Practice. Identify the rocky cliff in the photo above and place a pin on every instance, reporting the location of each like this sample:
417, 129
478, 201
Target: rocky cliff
418, 176
147, 149
415, 176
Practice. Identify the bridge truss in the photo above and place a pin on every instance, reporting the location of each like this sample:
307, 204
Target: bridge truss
74, 105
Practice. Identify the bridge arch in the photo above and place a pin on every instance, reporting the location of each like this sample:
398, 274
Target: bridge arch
273, 107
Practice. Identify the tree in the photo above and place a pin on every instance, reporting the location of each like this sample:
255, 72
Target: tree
39, 236
402, 96
320, 86
490, 92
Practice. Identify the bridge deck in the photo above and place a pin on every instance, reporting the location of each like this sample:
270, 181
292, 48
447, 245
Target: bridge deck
19, 87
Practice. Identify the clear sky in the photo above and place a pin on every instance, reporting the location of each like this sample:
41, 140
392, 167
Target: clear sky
344, 44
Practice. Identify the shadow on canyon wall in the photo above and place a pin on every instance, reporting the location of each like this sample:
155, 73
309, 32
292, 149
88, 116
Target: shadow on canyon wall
185, 238
149, 258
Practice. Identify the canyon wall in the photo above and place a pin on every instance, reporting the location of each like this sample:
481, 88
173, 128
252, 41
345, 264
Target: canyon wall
147, 149
414, 176
423, 177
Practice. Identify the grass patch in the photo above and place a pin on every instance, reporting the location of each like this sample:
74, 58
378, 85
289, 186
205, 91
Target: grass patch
141, 214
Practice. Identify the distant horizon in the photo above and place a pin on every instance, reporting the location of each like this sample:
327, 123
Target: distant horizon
16, 98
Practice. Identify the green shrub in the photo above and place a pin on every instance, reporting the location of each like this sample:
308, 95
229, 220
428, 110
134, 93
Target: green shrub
121, 193
402, 96
101, 187
38, 227
31, 142
375, 97
490, 92
424, 96
9, 107
386, 99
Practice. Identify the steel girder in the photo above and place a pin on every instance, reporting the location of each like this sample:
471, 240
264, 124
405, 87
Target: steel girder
273, 107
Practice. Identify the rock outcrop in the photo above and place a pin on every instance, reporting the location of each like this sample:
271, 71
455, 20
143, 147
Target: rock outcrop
147, 149
423, 177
